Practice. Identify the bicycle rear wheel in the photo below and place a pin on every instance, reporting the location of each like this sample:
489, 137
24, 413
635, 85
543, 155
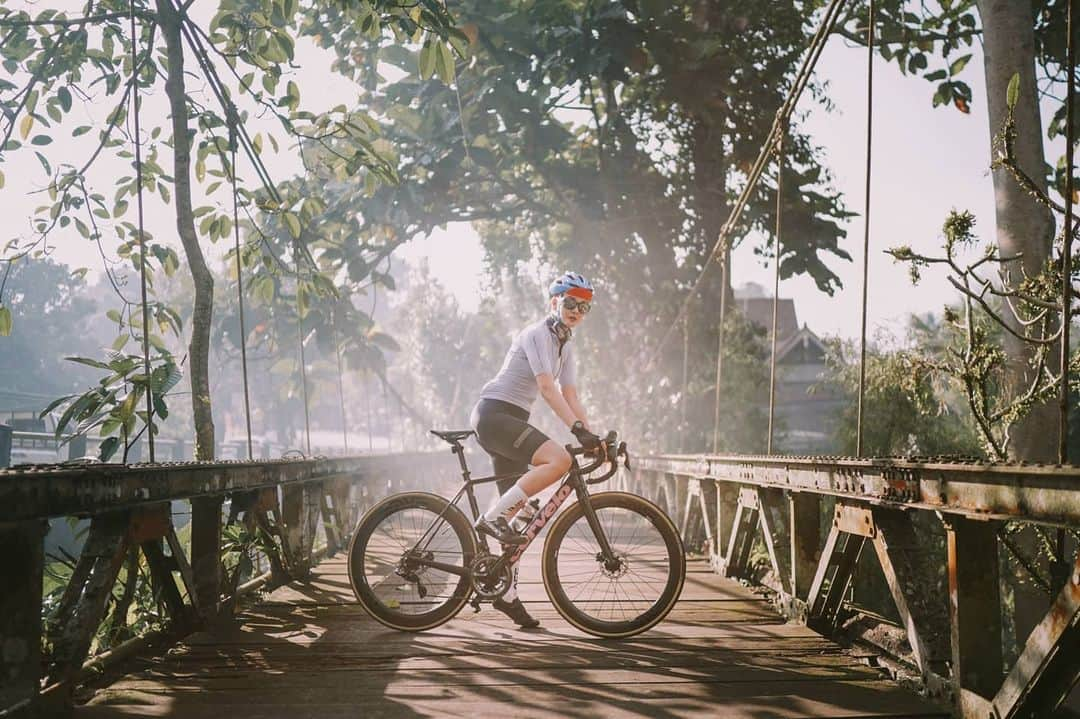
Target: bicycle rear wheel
629, 596
386, 554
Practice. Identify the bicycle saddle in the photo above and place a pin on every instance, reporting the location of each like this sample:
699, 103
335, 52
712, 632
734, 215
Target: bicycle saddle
453, 435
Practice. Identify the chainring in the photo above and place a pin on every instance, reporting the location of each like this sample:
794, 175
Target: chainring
485, 584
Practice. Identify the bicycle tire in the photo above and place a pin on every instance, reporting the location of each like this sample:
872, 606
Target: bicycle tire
568, 540
389, 528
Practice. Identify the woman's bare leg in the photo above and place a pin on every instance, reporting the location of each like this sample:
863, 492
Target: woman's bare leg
550, 462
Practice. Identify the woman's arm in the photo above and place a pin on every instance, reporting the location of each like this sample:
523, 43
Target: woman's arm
570, 394
555, 399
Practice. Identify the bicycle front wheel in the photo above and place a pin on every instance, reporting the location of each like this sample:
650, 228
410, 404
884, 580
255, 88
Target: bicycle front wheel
390, 561
620, 598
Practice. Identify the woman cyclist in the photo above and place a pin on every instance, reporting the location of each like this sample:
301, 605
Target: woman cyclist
540, 361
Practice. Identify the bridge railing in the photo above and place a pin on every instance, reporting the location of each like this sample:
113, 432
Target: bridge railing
292, 511
812, 518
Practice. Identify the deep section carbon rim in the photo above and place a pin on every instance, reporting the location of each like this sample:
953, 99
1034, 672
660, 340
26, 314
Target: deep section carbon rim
628, 595
386, 562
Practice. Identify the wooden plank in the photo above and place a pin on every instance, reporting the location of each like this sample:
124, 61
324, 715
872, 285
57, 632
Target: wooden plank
310, 651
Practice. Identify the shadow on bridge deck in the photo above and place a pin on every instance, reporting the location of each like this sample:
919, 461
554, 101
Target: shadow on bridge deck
309, 651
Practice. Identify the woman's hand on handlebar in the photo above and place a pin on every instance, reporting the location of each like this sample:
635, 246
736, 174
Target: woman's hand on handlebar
589, 441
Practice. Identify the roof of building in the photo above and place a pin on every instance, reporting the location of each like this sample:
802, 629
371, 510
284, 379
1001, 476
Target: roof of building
759, 310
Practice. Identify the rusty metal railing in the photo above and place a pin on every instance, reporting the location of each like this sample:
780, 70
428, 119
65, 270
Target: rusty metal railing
811, 518
290, 505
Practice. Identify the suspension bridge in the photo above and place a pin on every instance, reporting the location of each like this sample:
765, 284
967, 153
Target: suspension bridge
769, 625
776, 637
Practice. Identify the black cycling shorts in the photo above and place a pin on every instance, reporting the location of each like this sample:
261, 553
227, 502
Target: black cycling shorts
503, 430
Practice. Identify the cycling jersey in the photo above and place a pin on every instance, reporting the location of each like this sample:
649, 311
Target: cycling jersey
534, 351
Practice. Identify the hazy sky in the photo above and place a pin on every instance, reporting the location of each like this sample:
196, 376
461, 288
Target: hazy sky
926, 162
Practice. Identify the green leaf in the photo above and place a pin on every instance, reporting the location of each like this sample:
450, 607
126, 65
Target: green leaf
127, 407
65, 98
120, 341
1012, 94
114, 315
56, 403
444, 62
160, 408
5, 321
302, 300
427, 60
89, 362
293, 223
959, 64
41, 140
25, 126
108, 448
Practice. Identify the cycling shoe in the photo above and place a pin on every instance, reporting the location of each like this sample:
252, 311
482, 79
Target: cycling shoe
516, 611
500, 530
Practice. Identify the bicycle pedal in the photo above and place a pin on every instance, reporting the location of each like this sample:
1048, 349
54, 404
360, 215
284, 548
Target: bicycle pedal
475, 602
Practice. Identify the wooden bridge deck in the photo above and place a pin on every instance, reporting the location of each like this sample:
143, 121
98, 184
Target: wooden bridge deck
309, 651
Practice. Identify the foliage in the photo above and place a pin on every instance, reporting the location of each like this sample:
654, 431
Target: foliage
976, 359
933, 40
57, 65
132, 608
114, 406
610, 138
906, 409
744, 391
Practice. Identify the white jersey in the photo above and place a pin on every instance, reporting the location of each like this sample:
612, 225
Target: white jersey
534, 351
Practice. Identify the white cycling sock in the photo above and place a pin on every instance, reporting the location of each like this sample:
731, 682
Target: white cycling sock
515, 495
511, 593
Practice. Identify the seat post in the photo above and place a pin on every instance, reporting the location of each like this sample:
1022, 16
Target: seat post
460, 452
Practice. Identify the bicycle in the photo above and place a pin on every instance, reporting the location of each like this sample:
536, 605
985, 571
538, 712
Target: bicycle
613, 563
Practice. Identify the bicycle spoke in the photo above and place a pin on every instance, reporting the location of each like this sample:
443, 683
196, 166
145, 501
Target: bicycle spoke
610, 594
395, 537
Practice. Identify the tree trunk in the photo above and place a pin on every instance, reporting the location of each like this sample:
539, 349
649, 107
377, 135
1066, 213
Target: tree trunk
1023, 226
199, 349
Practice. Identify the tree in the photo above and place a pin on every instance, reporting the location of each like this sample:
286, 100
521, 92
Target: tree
610, 137
1022, 40
54, 61
48, 301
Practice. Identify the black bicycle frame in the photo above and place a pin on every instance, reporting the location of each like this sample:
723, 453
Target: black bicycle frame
572, 483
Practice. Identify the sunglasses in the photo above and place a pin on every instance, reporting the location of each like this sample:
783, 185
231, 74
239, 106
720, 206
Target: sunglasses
573, 303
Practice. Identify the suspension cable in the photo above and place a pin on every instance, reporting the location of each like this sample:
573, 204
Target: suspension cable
720, 349
303, 364
240, 282
1066, 251
340, 382
685, 382
142, 238
219, 90
776, 286
815, 48
370, 421
870, 18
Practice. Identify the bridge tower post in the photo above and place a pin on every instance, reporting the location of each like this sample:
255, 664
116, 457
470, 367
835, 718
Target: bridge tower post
20, 614
975, 614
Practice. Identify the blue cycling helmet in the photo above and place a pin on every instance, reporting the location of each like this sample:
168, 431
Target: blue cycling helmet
573, 284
